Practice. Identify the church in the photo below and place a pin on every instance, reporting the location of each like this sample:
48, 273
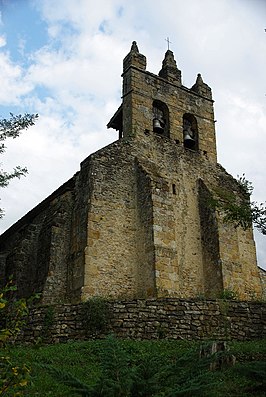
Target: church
136, 221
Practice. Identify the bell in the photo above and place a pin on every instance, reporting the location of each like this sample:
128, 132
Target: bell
189, 142
157, 126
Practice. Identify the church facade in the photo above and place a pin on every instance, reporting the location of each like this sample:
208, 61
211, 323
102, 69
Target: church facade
136, 220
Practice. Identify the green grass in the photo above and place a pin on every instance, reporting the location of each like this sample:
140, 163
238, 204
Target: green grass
125, 368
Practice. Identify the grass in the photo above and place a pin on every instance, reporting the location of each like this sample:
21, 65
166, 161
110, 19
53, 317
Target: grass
126, 368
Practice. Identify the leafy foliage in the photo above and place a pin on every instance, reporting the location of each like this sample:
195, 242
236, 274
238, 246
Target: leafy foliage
122, 375
259, 216
13, 377
256, 374
158, 368
13, 314
95, 315
240, 211
229, 294
79, 387
115, 378
17, 172
11, 128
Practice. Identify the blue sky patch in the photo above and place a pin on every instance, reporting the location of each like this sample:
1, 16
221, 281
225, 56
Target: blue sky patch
30, 31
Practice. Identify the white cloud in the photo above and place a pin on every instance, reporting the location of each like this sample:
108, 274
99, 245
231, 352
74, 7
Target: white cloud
82, 14
2, 41
12, 81
91, 66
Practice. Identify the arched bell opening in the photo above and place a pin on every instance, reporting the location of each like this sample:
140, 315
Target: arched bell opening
160, 118
190, 132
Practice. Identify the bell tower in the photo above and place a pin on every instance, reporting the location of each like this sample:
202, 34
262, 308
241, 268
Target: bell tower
183, 247
160, 104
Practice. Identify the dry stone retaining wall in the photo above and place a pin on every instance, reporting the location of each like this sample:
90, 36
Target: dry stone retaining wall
151, 319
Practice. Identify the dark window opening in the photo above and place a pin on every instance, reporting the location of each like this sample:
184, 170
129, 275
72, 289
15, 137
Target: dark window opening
190, 132
174, 188
160, 118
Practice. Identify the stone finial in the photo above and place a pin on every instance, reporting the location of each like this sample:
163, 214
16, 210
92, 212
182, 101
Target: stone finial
169, 59
134, 58
134, 47
199, 80
202, 88
169, 69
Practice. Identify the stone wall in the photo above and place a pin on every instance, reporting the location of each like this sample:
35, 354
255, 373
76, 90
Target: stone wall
35, 250
152, 319
151, 231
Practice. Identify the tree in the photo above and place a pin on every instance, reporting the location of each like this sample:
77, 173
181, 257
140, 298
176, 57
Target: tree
241, 211
12, 128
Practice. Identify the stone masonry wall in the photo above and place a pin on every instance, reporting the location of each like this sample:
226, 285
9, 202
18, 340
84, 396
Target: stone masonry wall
35, 250
150, 229
213, 282
152, 319
111, 249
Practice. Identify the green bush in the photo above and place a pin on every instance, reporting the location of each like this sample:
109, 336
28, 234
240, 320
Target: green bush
95, 315
228, 294
13, 377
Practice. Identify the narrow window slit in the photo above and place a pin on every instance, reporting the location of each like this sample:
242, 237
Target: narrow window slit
174, 188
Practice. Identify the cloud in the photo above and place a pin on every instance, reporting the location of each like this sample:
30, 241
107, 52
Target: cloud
2, 41
13, 82
90, 64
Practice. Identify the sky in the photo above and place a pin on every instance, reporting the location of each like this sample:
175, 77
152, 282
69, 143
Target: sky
63, 59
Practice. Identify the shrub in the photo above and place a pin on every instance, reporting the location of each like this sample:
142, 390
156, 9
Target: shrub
13, 314
95, 314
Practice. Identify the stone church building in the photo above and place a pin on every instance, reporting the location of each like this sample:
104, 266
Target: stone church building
136, 220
